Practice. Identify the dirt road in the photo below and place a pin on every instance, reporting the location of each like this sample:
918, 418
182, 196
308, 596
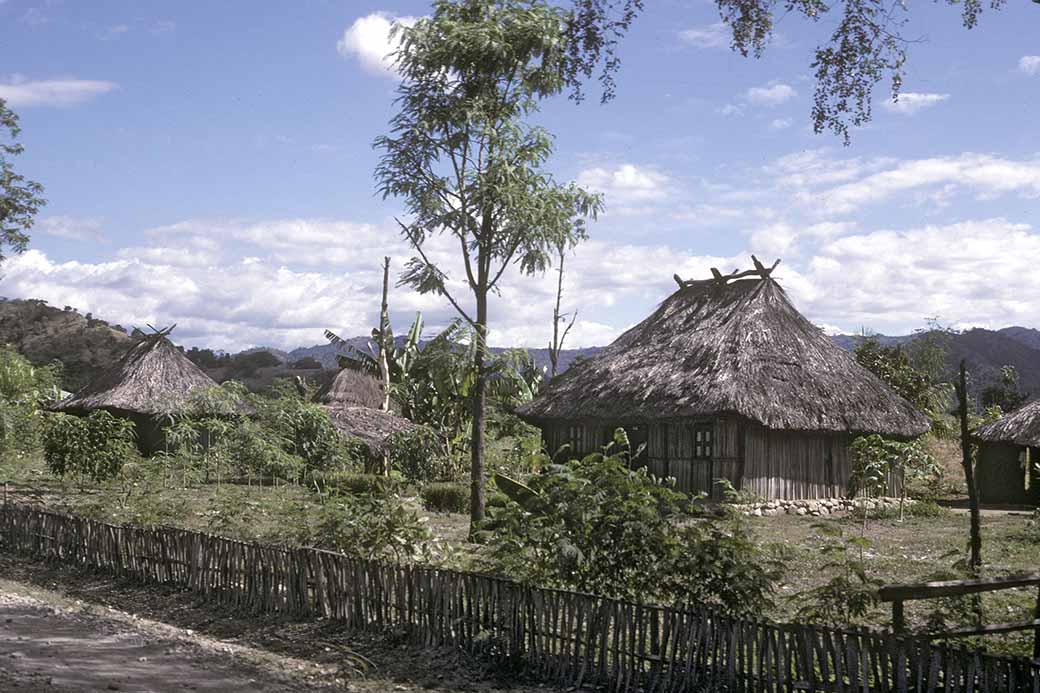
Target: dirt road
64, 629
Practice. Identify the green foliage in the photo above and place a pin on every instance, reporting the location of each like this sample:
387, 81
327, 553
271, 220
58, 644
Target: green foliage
96, 446
20, 199
595, 525
24, 390
371, 526
875, 458
851, 592
419, 456
339, 482
445, 497
1006, 395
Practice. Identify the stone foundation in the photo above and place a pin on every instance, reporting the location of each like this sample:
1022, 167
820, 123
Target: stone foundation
820, 506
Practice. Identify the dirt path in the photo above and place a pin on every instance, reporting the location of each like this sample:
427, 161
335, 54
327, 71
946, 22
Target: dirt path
63, 629
44, 647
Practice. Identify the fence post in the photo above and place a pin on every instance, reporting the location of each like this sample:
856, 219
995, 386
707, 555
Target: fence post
1036, 630
898, 621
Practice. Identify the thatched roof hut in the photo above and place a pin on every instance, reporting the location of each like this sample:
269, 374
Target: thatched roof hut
1009, 452
153, 378
727, 379
352, 388
354, 402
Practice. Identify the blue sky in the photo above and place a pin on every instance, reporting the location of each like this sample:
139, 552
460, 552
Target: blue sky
210, 164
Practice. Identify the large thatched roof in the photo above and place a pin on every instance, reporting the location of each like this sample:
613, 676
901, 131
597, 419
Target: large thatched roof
352, 388
373, 427
153, 377
1020, 427
728, 347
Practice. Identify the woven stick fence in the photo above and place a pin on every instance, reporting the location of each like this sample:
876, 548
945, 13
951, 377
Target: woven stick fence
564, 637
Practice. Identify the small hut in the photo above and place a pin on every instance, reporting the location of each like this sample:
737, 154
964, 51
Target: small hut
353, 401
1006, 468
152, 380
727, 380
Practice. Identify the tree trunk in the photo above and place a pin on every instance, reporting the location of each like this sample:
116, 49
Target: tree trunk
476, 495
384, 332
554, 348
969, 471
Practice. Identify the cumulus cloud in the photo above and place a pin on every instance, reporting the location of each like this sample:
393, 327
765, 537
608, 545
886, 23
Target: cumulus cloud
1029, 64
910, 102
20, 92
368, 39
781, 124
626, 183
983, 174
715, 35
770, 95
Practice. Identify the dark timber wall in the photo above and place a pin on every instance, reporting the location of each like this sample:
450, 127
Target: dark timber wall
770, 464
1001, 475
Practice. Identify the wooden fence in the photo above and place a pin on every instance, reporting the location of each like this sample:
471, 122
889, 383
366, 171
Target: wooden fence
566, 638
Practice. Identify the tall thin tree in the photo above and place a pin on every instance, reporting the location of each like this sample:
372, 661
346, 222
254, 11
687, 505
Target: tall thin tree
558, 338
470, 169
968, 463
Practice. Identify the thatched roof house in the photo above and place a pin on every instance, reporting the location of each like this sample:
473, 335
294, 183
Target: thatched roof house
726, 379
1009, 452
152, 379
353, 401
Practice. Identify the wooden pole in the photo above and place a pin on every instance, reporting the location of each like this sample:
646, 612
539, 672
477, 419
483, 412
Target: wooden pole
1036, 631
969, 471
898, 619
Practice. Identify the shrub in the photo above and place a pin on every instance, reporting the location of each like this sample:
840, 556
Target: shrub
351, 483
927, 508
371, 527
850, 594
595, 525
419, 456
96, 446
23, 389
445, 497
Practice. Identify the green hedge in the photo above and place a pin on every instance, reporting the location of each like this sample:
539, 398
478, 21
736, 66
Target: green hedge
445, 497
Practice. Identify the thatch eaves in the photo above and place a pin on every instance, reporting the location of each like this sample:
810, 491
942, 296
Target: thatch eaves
1020, 427
153, 377
728, 347
373, 427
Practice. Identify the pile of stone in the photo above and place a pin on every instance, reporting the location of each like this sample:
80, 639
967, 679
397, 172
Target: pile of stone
820, 506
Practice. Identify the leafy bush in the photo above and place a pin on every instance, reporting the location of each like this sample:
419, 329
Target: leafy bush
96, 446
24, 388
927, 508
371, 527
352, 483
849, 595
445, 497
419, 456
595, 525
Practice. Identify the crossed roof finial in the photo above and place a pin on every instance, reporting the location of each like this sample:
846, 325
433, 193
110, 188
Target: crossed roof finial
718, 279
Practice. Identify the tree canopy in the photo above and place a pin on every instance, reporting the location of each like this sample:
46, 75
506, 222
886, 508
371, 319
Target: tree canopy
866, 46
20, 199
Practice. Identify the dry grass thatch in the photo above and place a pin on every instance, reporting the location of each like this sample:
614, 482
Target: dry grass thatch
373, 427
153, 377
737, 348
1020, 427
351, 388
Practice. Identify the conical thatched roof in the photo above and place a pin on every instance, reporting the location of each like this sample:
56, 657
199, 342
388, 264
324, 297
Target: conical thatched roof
153, 377
739, 348
352, 388
373, 427
1020, 427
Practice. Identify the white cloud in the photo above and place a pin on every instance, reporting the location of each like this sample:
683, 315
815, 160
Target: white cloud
113, 32
70, 228
983, 174
910, 102
771, 95
715, 35
781, 124
368, 39
730, 109
1029, 64
21, 93
626, 183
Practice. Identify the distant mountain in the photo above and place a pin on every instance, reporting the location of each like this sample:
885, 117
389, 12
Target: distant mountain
1025, 335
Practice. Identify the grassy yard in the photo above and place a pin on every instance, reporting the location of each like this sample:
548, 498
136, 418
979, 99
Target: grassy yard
917, 549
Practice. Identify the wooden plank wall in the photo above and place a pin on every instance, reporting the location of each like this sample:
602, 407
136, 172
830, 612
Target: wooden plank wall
565, 638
